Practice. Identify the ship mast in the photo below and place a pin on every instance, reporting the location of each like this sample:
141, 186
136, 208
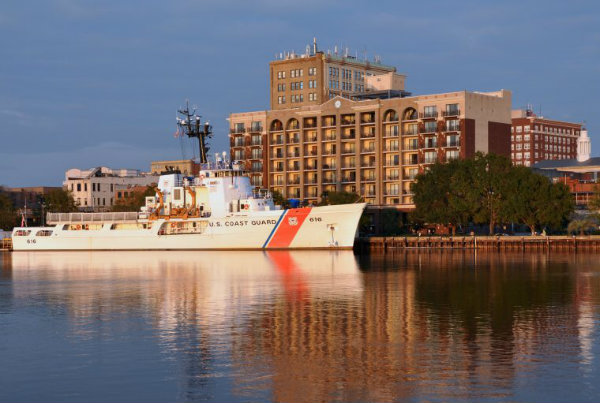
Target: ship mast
190, 125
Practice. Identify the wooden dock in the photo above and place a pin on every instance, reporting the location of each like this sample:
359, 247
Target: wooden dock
5, 244
484, 243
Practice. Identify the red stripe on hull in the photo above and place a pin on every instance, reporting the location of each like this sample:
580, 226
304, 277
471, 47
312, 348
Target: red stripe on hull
289, 227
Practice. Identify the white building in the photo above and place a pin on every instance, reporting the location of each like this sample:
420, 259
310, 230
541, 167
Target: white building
94, 189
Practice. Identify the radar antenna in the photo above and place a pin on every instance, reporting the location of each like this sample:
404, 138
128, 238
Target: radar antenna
190, 125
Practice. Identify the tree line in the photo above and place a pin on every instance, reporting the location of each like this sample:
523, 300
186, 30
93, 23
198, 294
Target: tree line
488, 189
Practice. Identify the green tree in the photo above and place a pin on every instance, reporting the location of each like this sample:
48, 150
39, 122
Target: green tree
8, 215
439, 195
594, 203
134, 201
279, 200
332, 198
60, 201
535, 201
489, 189
582, 226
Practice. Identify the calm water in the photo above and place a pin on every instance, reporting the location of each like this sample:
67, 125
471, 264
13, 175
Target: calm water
301, 326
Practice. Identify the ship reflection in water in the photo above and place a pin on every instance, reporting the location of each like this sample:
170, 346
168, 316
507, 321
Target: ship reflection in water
298, 326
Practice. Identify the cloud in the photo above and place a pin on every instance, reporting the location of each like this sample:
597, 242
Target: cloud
11, 112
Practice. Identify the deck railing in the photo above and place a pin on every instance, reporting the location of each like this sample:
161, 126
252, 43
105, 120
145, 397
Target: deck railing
53, 218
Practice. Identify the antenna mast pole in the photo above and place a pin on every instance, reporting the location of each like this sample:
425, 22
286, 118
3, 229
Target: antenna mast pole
190, 125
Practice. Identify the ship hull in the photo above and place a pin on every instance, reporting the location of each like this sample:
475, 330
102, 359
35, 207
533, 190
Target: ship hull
325, 227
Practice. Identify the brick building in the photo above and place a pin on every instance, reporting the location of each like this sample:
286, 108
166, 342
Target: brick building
535, 139
372, 141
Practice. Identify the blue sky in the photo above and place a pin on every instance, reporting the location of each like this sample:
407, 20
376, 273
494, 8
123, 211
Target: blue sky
89, 83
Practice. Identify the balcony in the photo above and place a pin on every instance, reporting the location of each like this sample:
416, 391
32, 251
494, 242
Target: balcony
392, 192
453, 143
349, 151
412, 131
348, 136
256, 156
330, 138
256, 142
310, 125
391, 133
411, 161
295, 181
392, 148
367, 150
329, 180
311, 139
367, 164
294, 168
294, 154
366, 135
411, 146
278, 168
367, 178
430, 160
293, 140
328, 166
392, 163
348, 121
237, 130
256, 169
349, 166
310, 181
348, 179
428, 129
428, 115
392, 177
309, 153
277, 141
451, 112
255, 129
328, 122
430, 143
453, 127
310, 167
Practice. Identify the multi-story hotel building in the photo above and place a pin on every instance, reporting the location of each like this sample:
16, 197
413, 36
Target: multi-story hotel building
535, 139
315, 77
372, 142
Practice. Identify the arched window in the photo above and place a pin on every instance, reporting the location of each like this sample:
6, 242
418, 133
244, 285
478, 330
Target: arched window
410, 114
276, 125
292, 124
390, 116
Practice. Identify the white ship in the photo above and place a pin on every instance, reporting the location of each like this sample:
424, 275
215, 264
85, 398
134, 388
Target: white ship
219, 209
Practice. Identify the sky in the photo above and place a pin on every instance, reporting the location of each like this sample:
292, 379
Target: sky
90, 83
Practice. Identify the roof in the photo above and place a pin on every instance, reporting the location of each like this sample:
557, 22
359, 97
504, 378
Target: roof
566, 164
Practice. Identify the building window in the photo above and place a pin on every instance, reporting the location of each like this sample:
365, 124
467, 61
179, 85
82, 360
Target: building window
526, 128
98, 187
281, 100
281, 74
519, 129
79, 187
451, 155
312, 71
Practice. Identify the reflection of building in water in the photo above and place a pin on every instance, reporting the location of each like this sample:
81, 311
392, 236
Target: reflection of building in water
310, 327
428, 325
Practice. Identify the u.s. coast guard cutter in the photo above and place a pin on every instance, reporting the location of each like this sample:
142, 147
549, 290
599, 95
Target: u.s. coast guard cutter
218, 209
